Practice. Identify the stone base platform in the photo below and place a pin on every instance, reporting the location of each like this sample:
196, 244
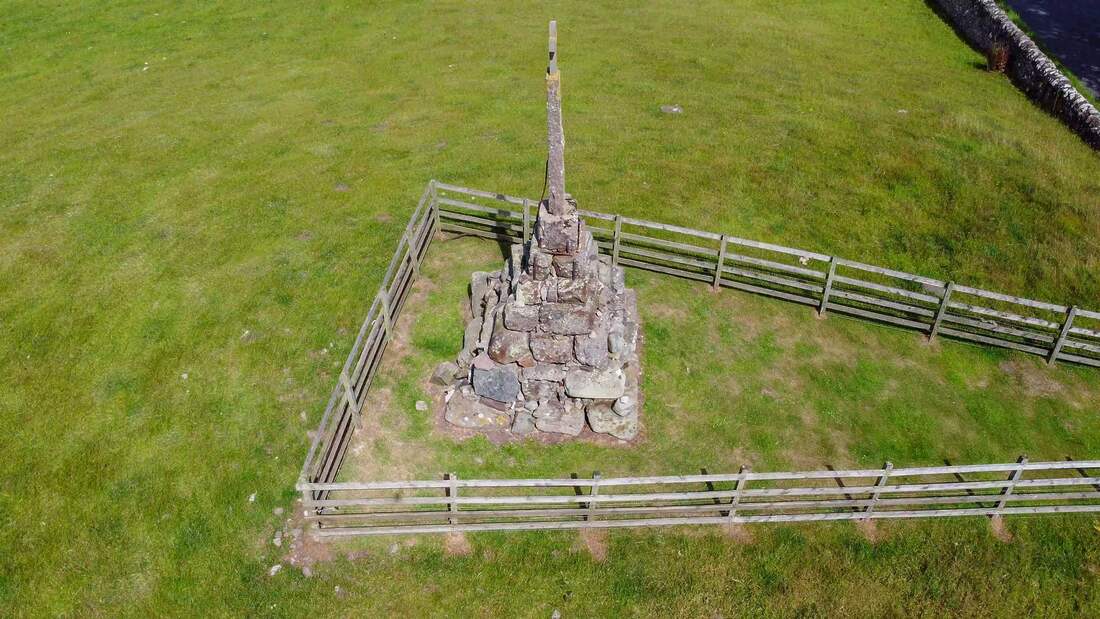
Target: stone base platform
552, 346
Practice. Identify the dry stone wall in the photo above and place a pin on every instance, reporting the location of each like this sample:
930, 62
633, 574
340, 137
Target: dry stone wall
984, 25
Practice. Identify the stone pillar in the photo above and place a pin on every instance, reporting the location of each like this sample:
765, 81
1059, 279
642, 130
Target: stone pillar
556, 230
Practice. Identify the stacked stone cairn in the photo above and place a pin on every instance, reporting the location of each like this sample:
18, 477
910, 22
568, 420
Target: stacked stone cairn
553, 338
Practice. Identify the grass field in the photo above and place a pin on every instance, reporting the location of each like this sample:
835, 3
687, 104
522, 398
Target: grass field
196, 202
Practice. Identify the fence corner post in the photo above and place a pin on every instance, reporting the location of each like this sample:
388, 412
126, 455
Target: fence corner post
594, 491
615, 243
941, 311
1014, 477
1071, 313
870, 509
387, 318
433, 204
452, 496
828, 287
718, 265
353, 398
413, 260
742, 480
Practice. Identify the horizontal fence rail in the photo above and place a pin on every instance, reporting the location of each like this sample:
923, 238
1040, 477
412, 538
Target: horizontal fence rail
456, 505
825, 283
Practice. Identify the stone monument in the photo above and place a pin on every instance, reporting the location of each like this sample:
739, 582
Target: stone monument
552, 345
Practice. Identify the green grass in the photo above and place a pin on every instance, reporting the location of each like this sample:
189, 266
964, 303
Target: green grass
150, 217
731, 379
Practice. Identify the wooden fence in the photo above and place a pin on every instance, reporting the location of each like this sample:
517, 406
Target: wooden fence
826, 283
453, 504
345, 405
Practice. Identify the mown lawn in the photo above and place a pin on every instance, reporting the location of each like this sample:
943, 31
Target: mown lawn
196, 202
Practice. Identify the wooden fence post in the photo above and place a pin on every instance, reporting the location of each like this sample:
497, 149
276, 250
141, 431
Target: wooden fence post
870, 509
433, 203
412, 254
742, 474
1066, 326
941, 311
387, 320
615, 244
593, 492
718, 265
1013, 478
353, 399
526, 220
828, 287
452, 494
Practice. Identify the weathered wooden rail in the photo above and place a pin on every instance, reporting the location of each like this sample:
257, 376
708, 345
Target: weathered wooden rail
825, 283
456, 505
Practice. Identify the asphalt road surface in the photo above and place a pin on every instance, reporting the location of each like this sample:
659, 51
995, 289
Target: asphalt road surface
1069, 29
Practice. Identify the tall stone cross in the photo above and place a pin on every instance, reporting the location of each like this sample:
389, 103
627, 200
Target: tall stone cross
556, 230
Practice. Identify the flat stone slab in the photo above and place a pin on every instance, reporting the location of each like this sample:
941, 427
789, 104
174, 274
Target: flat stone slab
500, 383
604, 420
469, 412
445, 373
566, 318
507, 346
553, 416
607, 384
550, 348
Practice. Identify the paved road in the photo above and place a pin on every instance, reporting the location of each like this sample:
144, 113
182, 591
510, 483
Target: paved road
1069, 29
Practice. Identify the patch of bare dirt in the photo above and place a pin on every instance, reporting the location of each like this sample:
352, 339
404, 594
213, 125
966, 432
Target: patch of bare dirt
303, 549
1035, 379
1000, 530
595, 542
738, 533
457, 545
870, 531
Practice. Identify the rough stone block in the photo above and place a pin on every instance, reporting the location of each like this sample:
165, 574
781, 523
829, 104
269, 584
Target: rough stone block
563, 266
539, 390
625, 406
551, 348
507, 346
483, 362
606, 384
479, 287
540, 263
545, 371
529, 291
618, 280
572, 290
566, 318
554, 416
487, 328
603, 419
521, 317
557, 234
467, 411
469, 342
499, 383
586, 261
515, 263
444, 373
591, 348
524, 423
